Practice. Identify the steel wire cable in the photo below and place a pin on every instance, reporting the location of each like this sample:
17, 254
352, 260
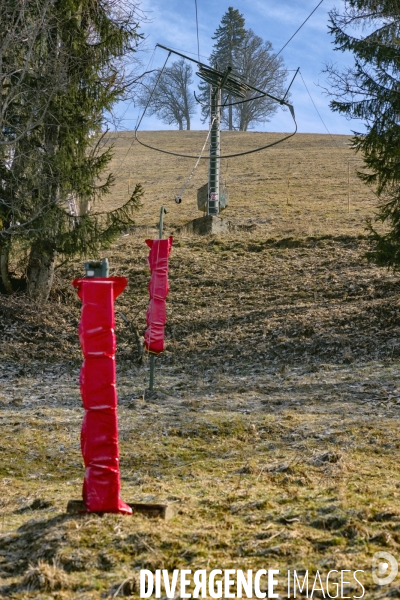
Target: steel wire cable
239, 87
120, 119
153, 90
197, 30
133, 141
178, 197
297, 30
259, 149
323, 123
318, 113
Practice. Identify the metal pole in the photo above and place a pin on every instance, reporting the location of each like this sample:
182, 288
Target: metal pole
152, 365
215, 151
152, 356
161, 224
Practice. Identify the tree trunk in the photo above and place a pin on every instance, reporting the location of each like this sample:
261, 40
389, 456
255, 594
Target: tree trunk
40, 272
186, 110
5, 277
180, 123
84, 206
230, 109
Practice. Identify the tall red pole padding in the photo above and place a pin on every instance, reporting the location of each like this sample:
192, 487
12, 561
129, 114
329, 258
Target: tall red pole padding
99, 436
156, 315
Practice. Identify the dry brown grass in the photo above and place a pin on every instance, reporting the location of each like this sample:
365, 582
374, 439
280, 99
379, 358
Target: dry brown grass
297, 188
44, 577
275, 423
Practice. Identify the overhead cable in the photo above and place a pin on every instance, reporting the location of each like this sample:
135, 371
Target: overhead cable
178, 197
317, 111
221, 80
297, 30
197, 29
223, 155
153, 90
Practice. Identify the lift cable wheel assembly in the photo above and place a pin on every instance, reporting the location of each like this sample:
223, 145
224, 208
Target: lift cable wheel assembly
235, 86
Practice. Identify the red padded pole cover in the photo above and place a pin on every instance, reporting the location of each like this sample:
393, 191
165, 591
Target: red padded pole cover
156, 315
99, 436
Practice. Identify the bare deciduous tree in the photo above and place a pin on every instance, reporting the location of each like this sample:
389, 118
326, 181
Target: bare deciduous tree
258, 66
170, 99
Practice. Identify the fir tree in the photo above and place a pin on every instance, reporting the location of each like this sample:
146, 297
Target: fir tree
251, 58
229, 36
369, 91
28, 80
59, 159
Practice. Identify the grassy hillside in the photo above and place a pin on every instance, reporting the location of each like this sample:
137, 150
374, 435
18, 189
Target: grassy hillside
301, 186
274, 427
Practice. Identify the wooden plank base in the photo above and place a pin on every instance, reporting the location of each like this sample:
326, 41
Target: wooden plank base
162, 511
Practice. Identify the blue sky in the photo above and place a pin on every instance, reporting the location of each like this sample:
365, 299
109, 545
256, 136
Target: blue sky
172, 23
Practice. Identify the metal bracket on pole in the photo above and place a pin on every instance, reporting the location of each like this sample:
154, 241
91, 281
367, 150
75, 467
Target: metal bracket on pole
225, 78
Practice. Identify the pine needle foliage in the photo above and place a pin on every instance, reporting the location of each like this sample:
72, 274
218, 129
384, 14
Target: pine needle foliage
253, 59
62, 157
229, 36
86, 234
370, 91
229, 39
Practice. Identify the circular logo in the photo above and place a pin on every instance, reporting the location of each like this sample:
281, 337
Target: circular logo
384, 568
